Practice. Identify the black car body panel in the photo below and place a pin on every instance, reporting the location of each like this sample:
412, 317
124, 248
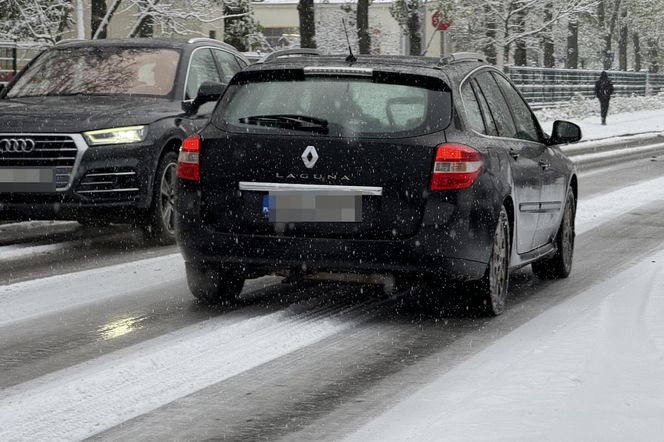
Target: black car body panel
408, 228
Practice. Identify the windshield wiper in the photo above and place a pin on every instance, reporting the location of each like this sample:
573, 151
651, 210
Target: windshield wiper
287, 121
77, 94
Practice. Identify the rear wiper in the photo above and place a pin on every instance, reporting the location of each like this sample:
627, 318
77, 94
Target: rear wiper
287, 121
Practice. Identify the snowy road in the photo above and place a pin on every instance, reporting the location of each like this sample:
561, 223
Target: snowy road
100, 338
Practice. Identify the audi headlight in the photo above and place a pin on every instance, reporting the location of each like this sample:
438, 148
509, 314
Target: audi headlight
117, 135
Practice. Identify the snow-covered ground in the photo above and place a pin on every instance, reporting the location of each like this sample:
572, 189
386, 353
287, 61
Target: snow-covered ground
591, 368
628, 123
597, 357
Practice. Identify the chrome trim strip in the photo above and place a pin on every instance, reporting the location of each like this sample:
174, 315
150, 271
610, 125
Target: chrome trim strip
292, 187
111, 174
132, 189
43, 159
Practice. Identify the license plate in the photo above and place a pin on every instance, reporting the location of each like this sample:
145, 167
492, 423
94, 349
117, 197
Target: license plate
312, 207
27, 179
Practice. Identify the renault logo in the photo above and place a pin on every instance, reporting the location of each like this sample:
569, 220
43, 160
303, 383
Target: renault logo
17, 145
309, 156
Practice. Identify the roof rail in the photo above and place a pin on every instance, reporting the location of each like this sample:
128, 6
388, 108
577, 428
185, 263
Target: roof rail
211, 40
67, 40
289, 52
459, 57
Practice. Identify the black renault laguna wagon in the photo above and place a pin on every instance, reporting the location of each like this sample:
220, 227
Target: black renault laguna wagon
399, 165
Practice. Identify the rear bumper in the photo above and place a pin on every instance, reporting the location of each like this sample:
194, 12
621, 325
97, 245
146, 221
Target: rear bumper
428, 252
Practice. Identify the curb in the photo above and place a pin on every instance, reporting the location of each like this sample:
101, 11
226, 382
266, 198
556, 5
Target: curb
601, 153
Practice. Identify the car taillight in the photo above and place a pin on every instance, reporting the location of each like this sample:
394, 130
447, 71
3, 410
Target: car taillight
188, 166
456, 167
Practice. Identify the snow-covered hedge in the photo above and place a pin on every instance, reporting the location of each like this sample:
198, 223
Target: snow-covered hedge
580, 107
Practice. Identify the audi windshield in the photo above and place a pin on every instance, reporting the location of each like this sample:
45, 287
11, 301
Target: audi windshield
99, 71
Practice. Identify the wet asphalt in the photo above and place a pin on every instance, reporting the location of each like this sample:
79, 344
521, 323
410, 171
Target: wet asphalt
321, 391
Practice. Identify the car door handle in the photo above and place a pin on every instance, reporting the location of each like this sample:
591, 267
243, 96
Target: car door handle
514, 154
544, 165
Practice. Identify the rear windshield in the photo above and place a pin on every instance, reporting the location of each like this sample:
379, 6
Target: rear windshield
341, 106
99, 71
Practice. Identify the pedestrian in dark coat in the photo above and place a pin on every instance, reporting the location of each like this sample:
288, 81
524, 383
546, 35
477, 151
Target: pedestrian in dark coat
603, 91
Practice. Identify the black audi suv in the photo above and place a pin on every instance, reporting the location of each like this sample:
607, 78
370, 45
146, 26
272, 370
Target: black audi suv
402, 165
90, 130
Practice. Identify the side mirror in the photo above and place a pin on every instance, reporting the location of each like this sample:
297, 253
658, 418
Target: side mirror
208, 91
564, 132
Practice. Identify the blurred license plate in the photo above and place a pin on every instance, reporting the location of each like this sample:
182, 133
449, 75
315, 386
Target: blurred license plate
27, 179
312, 207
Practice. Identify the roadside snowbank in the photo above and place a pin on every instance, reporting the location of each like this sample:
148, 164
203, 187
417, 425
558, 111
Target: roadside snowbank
591, 368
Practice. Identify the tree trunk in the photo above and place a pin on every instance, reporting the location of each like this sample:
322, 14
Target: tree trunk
572, 59
637, 51
98, 12
103, 25
653, 56
146, 28
363, 37
622, 45
305, 10
547, 40
80, 26
608, 31
520, 52
414, 25
490, 46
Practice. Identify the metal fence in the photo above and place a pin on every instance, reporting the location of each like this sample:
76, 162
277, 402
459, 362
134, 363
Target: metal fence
546, 86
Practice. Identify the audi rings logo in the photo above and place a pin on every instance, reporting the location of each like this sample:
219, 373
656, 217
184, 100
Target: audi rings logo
17, 145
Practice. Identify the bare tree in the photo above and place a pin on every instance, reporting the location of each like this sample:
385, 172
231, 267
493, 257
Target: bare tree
408, 13
547, 39
572, 59
363, 37
36, 20
307, 17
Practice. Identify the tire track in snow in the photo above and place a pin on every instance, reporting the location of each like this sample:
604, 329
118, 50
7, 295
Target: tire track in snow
83, 400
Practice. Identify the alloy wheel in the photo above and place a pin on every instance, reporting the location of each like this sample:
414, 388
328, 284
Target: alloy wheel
167, 197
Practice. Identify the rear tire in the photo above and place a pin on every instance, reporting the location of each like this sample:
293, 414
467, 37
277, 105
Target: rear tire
159, 225
488, 295
214, 284
559, 266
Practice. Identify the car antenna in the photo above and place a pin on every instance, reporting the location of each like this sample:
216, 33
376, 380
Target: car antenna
351, 58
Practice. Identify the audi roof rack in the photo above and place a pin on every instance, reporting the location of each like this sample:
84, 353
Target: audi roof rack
67, 40
289, 53
210, 40
459, 57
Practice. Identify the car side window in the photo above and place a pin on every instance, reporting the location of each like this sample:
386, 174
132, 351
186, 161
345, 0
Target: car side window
526, 126
486, 113
497, 105
472, 109
201, 68
228, 63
